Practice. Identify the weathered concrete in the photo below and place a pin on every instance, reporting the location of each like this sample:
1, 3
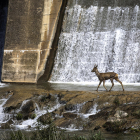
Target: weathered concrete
31, 27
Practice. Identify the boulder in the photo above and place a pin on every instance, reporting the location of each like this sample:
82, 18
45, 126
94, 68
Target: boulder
120, 114
27, 110
45, 119
86, 107
6, 125
59, 111
28, 107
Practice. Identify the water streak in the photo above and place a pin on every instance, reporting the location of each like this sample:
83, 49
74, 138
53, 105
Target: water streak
107, 36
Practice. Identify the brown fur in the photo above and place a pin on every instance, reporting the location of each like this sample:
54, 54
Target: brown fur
106, 76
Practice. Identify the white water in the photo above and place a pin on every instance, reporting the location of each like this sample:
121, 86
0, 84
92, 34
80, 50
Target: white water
4, 117
39, 112
107, 36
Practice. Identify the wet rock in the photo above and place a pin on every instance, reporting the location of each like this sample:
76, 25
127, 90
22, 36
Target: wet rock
6, 125
116, 125
69, 115
8, 93
45, 97
103, 114
53, 98
97, 127
63, 122
27, 110
120, 114
45, 119
59, 111
28, 107
113, 119
69, 107
87, 106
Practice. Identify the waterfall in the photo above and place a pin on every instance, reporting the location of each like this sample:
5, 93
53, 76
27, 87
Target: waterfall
105, 35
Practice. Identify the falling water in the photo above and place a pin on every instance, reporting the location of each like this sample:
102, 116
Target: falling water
105, 35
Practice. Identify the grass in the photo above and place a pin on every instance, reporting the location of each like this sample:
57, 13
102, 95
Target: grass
52, 133
116, 101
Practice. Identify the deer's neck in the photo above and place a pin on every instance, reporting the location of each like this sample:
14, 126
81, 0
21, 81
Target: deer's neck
97, 73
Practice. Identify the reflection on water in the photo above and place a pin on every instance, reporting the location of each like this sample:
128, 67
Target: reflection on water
75, 86
93, 86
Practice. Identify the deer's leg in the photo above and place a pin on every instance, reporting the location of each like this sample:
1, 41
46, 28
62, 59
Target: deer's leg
112, 83
120, 83
99, 85
104, 85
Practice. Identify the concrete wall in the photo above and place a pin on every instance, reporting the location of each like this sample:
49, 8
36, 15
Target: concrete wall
31, 27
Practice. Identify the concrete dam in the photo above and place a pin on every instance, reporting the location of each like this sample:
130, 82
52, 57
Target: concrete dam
61, 40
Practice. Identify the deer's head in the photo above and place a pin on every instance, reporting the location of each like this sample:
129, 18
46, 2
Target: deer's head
95, 68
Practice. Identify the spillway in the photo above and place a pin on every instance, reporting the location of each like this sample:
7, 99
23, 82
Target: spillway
99, 33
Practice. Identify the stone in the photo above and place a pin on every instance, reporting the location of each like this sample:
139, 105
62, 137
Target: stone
69, 115
28, 107
113, 119
45, 119
120, 114
6, 125
97, 127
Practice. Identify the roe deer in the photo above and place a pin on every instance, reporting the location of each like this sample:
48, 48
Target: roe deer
106, 76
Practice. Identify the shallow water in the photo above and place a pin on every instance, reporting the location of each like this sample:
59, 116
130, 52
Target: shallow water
93, 86
74, 86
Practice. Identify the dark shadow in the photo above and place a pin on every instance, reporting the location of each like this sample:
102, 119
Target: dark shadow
50, 61
3, 21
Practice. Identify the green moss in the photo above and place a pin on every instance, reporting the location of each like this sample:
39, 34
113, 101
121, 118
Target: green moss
33, 116
135, 130
19, 116
116, 101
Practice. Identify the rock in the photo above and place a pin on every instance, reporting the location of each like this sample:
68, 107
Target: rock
120, 114
10, 92
116, 125
113, 119
6, 125
102, 114
62, 122
27, 110
45, 119
97, 127
86, 107
69, 107
28, 107
45, 97
59, 111
69, 115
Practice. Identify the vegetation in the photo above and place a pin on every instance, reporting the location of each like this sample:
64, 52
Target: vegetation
116, 101
33, 116
18, 136
52, 133
19, 116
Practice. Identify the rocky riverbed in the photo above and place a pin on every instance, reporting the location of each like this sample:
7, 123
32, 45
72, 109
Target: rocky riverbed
114, 111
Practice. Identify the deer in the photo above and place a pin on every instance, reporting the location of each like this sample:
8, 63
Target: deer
106, 76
